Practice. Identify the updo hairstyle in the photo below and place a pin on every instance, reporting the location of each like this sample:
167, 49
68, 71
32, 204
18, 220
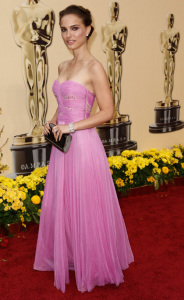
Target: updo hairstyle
79, 11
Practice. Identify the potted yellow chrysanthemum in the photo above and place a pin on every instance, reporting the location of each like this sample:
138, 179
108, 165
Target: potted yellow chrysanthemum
20, 199
11, 202
153, 167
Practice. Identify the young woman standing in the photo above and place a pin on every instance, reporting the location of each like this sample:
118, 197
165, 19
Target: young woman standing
81, 225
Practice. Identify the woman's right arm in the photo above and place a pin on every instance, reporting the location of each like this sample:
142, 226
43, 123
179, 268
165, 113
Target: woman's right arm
55, 117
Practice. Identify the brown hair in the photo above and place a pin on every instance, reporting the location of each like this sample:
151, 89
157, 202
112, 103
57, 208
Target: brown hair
81, 12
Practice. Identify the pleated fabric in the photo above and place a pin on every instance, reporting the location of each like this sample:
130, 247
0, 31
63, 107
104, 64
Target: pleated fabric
81, 225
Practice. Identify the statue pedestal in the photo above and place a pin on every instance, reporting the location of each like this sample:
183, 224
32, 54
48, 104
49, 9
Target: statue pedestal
116, 136
166, 118
29, 153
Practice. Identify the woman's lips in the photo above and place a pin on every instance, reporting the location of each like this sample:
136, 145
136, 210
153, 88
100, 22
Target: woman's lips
70, 42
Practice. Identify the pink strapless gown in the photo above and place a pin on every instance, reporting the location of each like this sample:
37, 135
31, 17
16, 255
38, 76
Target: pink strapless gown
81, 225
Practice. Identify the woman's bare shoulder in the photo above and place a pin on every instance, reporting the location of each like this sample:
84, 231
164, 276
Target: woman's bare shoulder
95, 63
96, 67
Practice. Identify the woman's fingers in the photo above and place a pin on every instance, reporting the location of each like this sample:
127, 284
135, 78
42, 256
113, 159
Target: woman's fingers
57, 133
46, 128
54, 131
60, 135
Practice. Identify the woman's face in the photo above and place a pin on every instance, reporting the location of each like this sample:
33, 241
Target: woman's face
73, 31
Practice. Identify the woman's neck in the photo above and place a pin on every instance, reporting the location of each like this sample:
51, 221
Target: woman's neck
81, 53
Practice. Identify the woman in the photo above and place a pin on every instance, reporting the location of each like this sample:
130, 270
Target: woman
81, 225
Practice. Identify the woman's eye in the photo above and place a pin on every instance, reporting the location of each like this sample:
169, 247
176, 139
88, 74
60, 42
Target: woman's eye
63, 29
74, 28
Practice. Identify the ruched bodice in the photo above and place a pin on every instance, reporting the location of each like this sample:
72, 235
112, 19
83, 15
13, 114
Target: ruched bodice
75, 101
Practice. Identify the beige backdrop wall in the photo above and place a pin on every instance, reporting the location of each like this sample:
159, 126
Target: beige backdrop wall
142, 82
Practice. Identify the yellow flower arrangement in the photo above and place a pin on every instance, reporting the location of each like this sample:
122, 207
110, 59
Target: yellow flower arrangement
11, 202
21, 198
149, 167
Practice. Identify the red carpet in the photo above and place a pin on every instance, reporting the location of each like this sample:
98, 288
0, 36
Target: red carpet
155, 225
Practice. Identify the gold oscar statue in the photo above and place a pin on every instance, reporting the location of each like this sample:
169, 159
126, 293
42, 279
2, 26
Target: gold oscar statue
114, 35
115, 135
167, 111
169, 40
33, 24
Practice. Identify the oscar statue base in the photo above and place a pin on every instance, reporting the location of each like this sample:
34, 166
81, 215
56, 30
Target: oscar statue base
115, 136
166, 118
29, 153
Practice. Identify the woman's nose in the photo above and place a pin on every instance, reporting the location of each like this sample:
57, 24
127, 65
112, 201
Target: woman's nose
68, 33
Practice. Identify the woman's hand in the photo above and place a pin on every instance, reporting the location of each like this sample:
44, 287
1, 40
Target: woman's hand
58, 131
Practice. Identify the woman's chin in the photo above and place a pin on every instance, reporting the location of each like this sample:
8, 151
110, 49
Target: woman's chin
71, 46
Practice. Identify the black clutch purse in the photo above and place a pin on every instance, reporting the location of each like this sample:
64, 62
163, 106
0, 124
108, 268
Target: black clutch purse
64, 144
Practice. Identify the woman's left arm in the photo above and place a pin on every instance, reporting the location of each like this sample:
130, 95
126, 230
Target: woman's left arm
104, 99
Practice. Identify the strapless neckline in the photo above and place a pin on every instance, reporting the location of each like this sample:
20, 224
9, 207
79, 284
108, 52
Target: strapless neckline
76, 82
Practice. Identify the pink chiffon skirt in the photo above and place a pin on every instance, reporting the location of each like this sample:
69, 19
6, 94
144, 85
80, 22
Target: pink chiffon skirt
81, 225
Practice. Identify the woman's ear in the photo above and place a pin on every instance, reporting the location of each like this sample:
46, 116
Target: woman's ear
88, 30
